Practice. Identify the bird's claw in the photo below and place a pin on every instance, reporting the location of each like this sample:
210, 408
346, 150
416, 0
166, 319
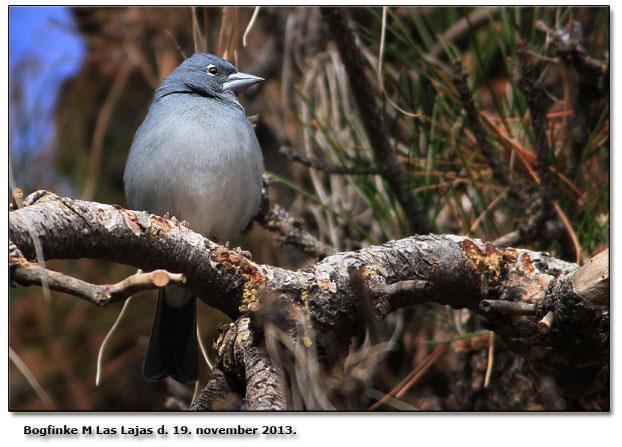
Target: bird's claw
243, 253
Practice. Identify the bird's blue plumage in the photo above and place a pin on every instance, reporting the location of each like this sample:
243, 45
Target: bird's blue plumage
196, 157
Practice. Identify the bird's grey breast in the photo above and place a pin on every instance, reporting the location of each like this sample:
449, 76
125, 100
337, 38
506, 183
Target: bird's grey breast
198, 159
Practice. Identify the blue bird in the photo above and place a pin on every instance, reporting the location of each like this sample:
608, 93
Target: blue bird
196, 157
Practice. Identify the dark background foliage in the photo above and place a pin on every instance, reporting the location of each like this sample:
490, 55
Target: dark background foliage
306, 104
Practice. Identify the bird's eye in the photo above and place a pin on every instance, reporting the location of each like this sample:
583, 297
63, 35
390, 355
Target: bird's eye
212, 70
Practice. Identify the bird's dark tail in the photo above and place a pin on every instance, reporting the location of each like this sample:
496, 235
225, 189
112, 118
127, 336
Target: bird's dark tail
172, 347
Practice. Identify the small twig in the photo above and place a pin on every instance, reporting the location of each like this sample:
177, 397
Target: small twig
288, 228
466, 99
328, 168
409, 286
570, 47
544, 325
511, 239
26, 274
289, 232
16, 198
591, 280
461, 30
507, 307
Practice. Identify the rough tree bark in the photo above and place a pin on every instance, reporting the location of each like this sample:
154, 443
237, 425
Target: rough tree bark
552, 313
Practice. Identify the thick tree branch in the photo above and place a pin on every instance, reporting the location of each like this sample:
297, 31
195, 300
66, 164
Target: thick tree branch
319, 305
71, 229
218, 394
264, 389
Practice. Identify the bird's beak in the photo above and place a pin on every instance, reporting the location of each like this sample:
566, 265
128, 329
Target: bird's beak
240, 81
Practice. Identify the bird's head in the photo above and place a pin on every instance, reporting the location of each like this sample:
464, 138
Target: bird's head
206, 75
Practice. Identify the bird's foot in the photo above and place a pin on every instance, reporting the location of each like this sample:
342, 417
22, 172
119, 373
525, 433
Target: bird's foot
175, 220
243, 253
